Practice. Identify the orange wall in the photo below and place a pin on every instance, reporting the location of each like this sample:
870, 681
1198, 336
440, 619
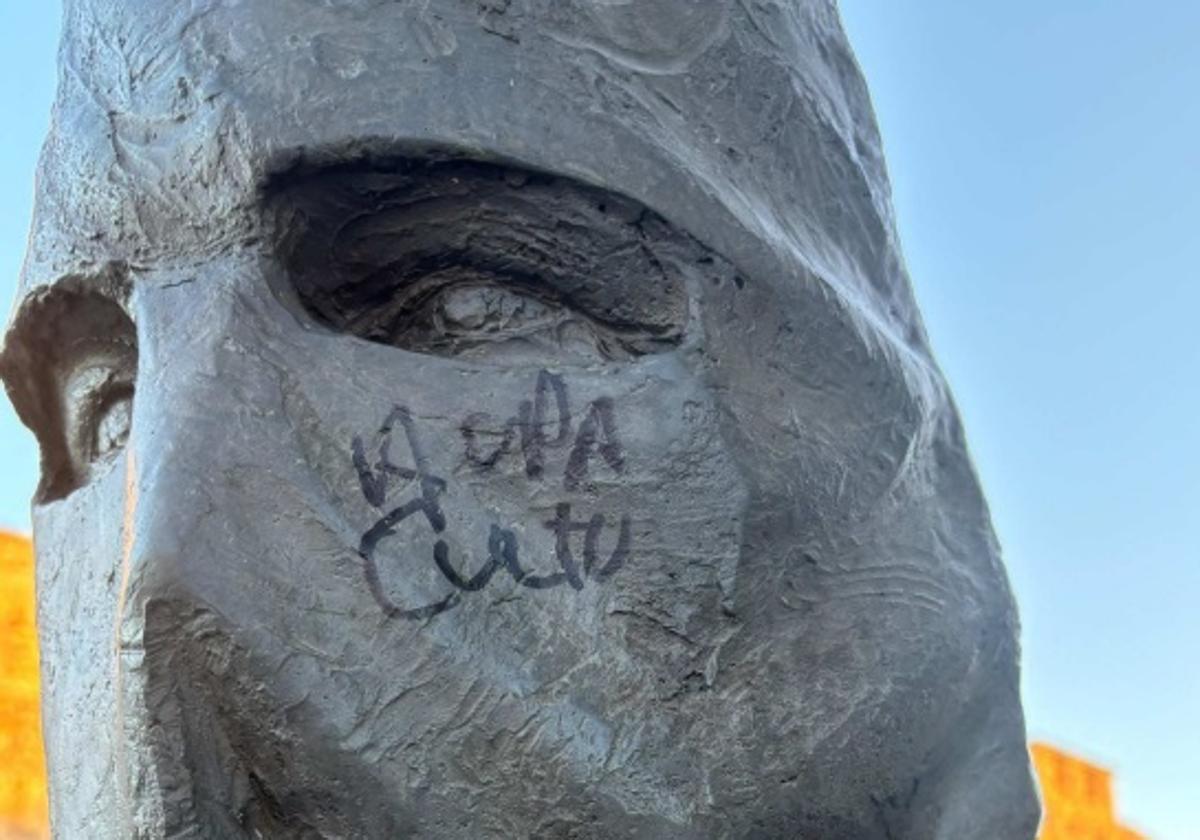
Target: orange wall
1077, 798
22, 766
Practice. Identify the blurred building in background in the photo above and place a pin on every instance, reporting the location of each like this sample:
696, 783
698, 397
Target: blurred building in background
1077, 798
22, 768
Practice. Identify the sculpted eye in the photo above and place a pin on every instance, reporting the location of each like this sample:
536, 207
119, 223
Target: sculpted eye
96, 387
111, 429
72, 375
472, 260
99, 409
480, 320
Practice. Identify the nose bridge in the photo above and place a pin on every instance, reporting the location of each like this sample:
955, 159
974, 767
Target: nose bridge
205, 412
179, 437
159, 514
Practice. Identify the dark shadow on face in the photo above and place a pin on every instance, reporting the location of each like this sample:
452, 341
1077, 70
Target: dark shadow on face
466, 259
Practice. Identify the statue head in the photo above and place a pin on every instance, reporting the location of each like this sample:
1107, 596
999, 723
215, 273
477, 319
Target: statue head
500, 418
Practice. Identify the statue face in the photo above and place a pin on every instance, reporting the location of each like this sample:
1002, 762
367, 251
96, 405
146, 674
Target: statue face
505, 419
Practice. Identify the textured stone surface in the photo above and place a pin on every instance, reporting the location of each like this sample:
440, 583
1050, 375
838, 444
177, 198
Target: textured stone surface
496, 419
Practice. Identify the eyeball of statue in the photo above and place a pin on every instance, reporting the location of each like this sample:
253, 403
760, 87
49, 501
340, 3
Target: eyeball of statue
500, 419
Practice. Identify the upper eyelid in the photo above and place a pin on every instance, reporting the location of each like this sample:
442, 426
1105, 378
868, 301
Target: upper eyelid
79, 345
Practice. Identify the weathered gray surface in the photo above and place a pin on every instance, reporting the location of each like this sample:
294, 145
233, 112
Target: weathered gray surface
401, 282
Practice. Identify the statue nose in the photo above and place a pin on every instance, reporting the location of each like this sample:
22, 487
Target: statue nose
215, 470
167, 517
185, 443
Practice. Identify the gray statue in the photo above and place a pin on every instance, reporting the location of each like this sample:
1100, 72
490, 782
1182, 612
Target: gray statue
496, 419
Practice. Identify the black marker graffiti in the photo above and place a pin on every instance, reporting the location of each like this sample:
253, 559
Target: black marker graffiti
379, 479
375, 485
530, 423
600, 420
597, 433
563, 526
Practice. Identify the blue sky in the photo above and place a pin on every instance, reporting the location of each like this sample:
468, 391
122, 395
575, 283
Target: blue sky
1045, 159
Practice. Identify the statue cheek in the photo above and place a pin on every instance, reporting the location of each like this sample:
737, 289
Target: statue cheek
558, 491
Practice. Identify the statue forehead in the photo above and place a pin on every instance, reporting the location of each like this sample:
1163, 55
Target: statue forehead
139, 57
170, 86
658, 35
736, 121
653, 37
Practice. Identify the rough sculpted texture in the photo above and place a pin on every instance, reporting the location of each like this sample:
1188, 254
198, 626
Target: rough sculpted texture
496, 419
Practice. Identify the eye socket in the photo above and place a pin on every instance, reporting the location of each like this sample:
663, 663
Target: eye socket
469, 260
70, 365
